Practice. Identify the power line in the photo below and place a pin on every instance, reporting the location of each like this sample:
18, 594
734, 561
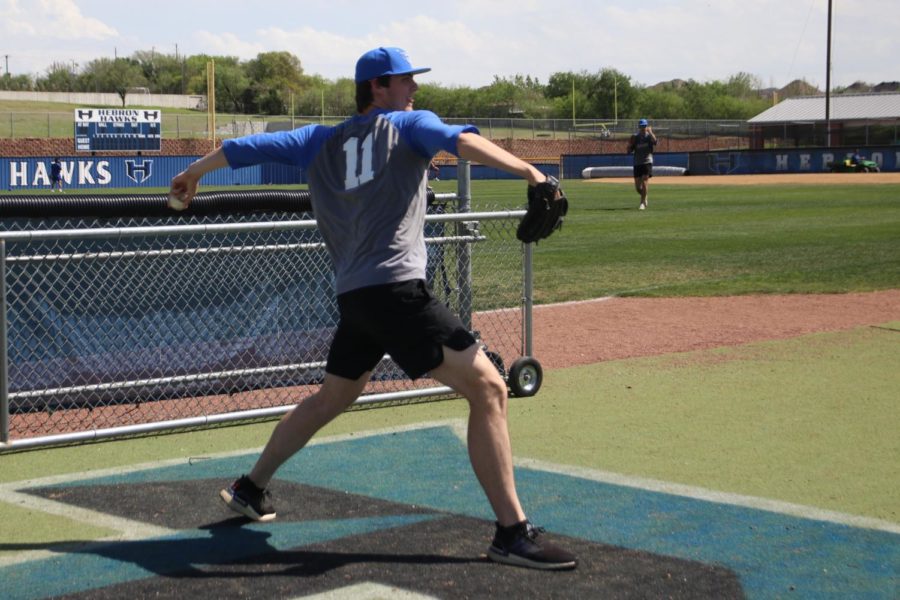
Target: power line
800, 40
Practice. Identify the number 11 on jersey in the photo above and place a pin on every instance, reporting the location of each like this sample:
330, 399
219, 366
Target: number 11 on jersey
358, 174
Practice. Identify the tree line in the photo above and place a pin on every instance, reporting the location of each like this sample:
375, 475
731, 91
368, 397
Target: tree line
274, 83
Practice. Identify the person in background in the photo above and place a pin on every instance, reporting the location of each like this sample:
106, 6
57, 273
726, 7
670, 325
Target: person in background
641, 145
56, 175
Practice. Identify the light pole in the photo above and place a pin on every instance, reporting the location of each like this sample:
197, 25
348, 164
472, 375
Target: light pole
828, 82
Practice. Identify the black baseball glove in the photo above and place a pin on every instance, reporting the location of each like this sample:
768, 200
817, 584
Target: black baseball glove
546, 209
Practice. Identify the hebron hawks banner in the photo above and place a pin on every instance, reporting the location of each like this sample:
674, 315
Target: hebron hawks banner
22, 174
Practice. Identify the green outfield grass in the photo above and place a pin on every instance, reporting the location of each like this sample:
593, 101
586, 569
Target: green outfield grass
707, 240
712, 240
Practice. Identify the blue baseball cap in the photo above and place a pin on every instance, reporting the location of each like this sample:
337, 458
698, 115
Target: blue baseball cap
385, 61
642, 123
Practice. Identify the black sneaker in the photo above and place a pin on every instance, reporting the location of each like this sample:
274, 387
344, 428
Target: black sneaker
245, 498
520, 545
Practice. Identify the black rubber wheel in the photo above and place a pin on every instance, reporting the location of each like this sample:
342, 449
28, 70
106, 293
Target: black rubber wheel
525, 377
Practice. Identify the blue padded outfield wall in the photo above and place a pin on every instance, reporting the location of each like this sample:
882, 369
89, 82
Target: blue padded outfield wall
23, 174
740, 162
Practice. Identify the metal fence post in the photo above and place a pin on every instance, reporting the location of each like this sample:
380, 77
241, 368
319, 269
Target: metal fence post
527, 299
4, 372
464, 251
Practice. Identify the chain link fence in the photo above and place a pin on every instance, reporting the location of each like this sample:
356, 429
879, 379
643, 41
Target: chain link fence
185, 126
112, 326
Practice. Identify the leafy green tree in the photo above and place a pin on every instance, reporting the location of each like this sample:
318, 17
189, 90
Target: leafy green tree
343, 97
164, 72
661, 104
112, 75
743, 85
716, 100
611, 95
274, 76
566, 93
231, 81
60, 77
602, 95
16, 83
511, 97
449, 102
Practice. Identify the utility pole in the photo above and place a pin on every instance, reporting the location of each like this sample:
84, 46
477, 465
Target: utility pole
6, 56
828, 83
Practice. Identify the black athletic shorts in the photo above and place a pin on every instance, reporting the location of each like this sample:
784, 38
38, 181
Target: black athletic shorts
401, 319
644, 169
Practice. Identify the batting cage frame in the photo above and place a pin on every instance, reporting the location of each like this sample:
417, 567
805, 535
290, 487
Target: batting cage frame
120, 317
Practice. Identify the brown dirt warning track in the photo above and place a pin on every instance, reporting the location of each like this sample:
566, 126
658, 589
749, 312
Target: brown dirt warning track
591, 331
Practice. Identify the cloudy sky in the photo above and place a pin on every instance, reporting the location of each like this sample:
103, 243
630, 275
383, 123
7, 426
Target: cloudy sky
468, 42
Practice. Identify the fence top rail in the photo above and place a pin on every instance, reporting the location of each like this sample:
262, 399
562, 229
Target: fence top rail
223, 228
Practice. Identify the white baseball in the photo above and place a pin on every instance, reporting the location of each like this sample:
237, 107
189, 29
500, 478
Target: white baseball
175, 203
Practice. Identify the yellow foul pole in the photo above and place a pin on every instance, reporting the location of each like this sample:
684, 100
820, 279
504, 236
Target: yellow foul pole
573, 101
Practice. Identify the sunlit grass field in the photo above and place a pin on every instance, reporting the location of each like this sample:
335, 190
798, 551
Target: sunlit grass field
714, 240
704, 240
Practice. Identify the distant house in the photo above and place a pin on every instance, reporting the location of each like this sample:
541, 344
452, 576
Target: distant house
856, 120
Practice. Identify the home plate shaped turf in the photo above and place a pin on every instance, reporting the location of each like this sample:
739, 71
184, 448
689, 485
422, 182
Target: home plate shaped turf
400, 514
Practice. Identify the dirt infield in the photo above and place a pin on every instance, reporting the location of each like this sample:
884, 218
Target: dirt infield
785, 178
586, 332
605, 329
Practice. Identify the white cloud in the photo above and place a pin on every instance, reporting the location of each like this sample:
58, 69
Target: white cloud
226, 44
36, 34
64, 19
324, 53
14, 20
56, 19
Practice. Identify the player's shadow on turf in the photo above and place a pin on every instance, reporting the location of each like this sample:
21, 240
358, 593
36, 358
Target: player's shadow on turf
229, 544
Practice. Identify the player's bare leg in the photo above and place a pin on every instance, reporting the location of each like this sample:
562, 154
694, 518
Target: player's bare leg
516, 541
298, 426
248, 495
474, 376
642, 190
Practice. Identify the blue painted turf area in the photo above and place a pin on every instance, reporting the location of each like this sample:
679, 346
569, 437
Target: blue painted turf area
774, 555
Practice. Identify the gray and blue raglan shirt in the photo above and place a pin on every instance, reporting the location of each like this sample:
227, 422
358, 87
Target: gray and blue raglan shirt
643, 148
367, 178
